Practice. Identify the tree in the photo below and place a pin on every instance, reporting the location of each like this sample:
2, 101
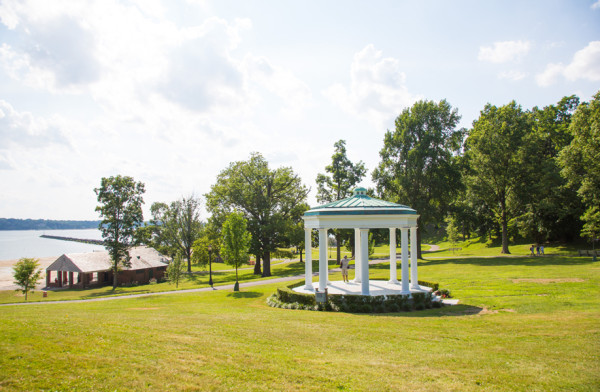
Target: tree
418, 161
549, 206
236, 242
342, 177
157, 230
26, 274
175, 270
295, 228
452, 231
184, 225
267, 198
580, 162
120, 208
495, 151
174, 228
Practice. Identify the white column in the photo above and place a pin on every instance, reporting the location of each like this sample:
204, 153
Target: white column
308, 260
364, 260
322, 259
404, 244
327, 256
393, 268
414, 278
356, 255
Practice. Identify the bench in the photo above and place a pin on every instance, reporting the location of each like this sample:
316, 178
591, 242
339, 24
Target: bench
589, 252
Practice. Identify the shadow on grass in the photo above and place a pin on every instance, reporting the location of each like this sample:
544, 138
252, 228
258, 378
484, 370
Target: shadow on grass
446, 311
112, 293
523, 261
245, 294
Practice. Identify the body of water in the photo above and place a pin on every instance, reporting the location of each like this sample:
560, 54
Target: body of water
27, 243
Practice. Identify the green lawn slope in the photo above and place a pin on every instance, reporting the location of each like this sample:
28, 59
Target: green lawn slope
523, 324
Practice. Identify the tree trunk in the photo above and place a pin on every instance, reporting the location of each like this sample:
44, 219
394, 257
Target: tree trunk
339, 247
115, 276
301, 255
266, 264
504, 227
188, 255
257, 270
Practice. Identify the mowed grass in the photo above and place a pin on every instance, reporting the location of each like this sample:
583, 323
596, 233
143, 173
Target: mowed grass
523, 324
198, 279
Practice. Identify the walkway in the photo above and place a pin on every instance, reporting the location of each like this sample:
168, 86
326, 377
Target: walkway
203, 289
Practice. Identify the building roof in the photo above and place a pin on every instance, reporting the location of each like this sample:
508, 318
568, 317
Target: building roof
142, 257
360, 204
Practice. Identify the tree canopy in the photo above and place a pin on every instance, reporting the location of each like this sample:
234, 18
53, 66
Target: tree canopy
27, 274
495, 151
236, 242
120, 208
418, 167
339, 182
580, 162
267, 198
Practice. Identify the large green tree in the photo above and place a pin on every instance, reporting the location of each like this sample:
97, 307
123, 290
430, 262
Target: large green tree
184, 225
496, 150
236, 243
417, 165
549, 206
27, 274
174, 228
268, 198
580, 161
120, 209
339, 181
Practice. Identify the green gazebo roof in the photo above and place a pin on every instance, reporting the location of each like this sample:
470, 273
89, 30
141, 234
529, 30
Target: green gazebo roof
361, 204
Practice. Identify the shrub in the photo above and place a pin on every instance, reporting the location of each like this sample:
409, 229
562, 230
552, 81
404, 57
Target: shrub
290, 299
282, 254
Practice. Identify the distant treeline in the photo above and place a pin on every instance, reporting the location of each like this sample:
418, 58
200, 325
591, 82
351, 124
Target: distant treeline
45, 224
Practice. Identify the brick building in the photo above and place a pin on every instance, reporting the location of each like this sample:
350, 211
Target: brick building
82, 270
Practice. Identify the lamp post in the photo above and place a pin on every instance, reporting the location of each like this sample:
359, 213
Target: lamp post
210, 282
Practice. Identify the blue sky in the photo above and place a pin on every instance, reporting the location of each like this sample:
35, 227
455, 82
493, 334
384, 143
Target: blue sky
171, 92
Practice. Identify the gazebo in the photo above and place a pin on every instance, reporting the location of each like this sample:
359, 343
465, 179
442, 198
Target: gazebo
361, 213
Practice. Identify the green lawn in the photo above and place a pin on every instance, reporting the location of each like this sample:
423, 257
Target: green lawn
523, 324
196, 280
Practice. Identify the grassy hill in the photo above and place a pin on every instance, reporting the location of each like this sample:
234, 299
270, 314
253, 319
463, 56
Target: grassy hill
523, 323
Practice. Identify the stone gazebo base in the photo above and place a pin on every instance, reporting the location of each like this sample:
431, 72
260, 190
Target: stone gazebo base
376, 287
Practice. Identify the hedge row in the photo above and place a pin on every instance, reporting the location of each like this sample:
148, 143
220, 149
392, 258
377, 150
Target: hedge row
290, 299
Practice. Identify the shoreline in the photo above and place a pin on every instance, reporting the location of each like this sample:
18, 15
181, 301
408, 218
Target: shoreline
6, 272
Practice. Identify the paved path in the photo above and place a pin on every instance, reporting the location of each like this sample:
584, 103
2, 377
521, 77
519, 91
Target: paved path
223, 287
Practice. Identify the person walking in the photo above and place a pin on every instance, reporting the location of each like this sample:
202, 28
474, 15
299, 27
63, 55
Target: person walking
542, 249
537, 249
345, 264
531, 250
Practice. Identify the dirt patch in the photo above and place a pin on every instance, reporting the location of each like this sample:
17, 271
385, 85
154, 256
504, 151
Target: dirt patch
473, 310
548, 281
143, 308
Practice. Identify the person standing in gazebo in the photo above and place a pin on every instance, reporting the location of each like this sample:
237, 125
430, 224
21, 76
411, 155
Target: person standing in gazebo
345, 263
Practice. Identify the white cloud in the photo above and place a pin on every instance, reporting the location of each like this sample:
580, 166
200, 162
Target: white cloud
584, 65
377, 90
22, 129
550, 75
504, 51
512, 75
596, 5
281, 82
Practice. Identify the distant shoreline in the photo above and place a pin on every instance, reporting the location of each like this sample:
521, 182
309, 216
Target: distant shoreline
11, 224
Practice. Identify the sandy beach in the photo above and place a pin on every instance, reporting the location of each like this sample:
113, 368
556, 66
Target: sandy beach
6, 272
